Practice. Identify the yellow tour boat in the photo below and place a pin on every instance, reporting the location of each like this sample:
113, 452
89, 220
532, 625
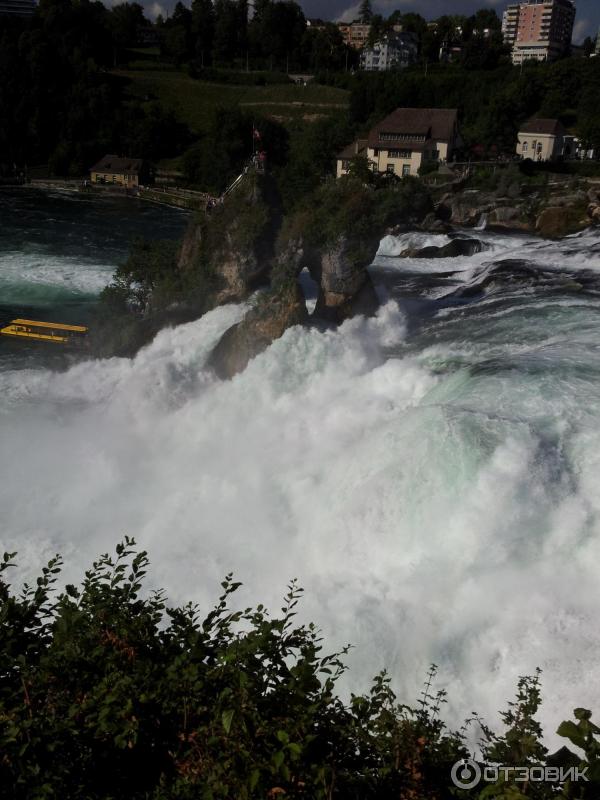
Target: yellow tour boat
30, 330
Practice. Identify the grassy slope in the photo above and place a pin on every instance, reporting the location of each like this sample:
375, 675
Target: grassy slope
193, 101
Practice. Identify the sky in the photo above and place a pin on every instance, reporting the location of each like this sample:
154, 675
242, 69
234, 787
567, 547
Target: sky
587, 22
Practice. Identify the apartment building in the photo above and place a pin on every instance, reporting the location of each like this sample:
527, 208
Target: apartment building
355, 34
396, 51
539, 30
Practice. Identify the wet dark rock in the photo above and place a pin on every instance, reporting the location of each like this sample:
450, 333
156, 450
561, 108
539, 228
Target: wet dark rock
433, 224
558, 221
274, 313
345, 285
508, 218
454, 249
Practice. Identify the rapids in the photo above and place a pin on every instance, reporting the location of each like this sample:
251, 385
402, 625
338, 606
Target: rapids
429, 475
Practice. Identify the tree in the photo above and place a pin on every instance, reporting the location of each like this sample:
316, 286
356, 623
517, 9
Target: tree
203, 29
231, 30
126, 20
589, 46
365, 12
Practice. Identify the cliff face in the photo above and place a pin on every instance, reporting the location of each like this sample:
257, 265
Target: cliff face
234, 242
345, 284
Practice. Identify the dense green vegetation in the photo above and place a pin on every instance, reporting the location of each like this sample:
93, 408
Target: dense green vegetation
492, 104
79, 80
57, 102
106, 691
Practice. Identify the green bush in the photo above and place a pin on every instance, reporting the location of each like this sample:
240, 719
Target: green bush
107, 692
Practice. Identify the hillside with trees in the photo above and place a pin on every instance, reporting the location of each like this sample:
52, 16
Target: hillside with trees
78, 80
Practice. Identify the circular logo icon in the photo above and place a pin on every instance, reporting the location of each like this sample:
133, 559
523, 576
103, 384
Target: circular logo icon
466, 773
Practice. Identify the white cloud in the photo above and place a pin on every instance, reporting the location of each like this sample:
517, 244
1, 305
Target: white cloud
583, 28
156, 9
349, 14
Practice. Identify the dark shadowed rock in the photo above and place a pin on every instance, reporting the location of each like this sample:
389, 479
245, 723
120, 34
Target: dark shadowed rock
557, 221
345, 285
454, 249
508, 218
274, 313
433, 224
235, 242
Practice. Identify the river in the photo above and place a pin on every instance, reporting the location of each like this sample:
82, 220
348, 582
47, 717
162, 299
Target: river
431, 475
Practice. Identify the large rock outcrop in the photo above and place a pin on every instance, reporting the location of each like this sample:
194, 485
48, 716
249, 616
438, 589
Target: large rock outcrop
346, 288
234, 243
554, 222
274, 313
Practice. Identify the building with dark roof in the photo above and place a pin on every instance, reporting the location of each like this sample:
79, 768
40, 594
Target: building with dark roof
17, 8
541, 139
118, 171
410, 137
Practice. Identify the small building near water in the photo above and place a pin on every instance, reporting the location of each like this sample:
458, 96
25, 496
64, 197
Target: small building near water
405, 140
541, 140
118, 171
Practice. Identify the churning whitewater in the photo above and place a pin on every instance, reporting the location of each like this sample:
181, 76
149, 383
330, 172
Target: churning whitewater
431, 476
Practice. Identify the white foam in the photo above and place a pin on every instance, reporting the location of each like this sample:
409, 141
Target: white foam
36, 276
434, 511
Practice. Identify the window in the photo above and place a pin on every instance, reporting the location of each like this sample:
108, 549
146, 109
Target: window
390, 169
401, 137
399, 153
405, 170
525, 147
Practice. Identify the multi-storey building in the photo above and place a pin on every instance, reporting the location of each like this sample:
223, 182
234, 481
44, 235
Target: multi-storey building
396, 51
539, 30
17, 8
355, 34
404, 141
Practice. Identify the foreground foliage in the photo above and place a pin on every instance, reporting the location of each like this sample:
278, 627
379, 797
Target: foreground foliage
105, 691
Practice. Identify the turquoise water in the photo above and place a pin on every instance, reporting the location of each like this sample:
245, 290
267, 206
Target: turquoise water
59, 250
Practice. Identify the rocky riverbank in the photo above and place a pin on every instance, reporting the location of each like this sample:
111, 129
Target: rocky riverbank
552, 210
249, 242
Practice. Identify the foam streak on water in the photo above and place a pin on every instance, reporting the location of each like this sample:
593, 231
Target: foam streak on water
431, 478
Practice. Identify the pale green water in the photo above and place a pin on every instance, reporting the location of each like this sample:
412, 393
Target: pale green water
431, 476
58, 251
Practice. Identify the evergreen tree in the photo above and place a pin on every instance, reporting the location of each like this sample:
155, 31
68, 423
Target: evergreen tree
203, 29
366, 12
